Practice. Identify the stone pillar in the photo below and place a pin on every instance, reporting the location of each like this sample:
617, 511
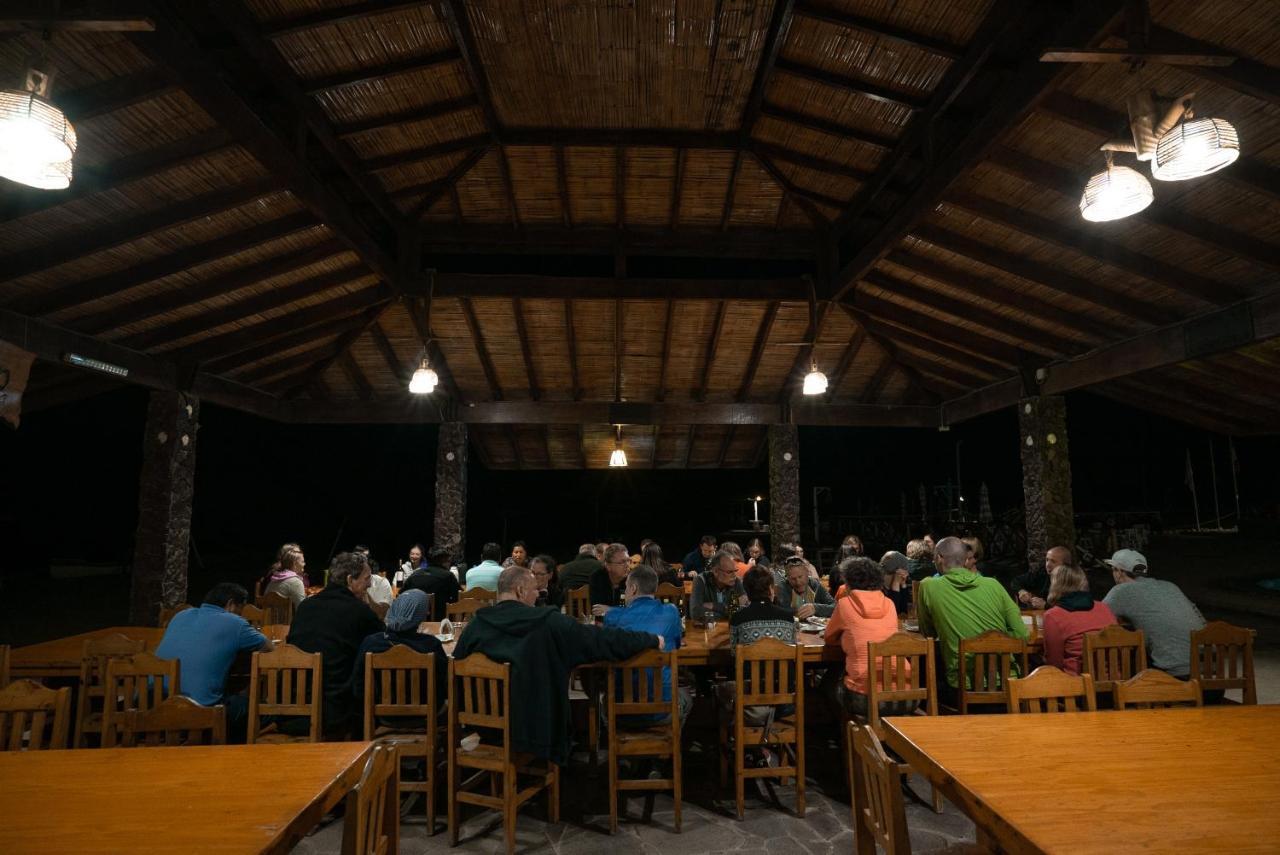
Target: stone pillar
784, 485
165, 490
1046, 475
451, 489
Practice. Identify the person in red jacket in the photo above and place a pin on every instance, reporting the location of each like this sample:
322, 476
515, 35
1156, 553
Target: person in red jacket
1072, 613
863, 614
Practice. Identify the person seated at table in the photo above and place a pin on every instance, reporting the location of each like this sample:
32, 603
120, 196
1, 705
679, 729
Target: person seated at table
485, 574
600, 548
895, 570
802, 595
1072, 612
920, 559
379, 595
974, 559
962, 604
652, 558
644, 613
578, 572
333, 623
543, 647
206, 642
794, 550
715, 589
286, 575
608, 584
519, 555
434, 578
544, 574
864, 614
698, 561
1158, 608
739, 565
403, 618
1031, 588
408, 568
756, 556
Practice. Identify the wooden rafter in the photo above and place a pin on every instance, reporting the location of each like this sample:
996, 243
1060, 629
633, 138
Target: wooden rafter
878, 380
355, 374
885, 31
713, 342
1247, 76
826, 126
408, 65
448, 184
571, 337
562, 188
426, 152
342, 352
508, 188
667, 324
779, 24
847, 357
863, 86
620, 187
798, 195
117, 93
482, 352
383, 344
729, 433
814, 163
728, 193
338, 15
281, 374
757, 350
465, 40
268, 350
936, 339
535, 389
677, 183
436, 110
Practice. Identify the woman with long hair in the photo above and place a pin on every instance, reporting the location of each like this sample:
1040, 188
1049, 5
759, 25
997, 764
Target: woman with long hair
651, 557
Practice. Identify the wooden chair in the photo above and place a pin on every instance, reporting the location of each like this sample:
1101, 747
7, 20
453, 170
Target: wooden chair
4, 665
577, 602
166, 614
634, 687
284, 682
96, 654
401, 683
371, 822
29, 709
901, 669
767, 673
480, 697
1048, 690
1222, 658
480, 594
175, 721
464, 609
138, 682
277, 607
256, 617
1155, 688
673, 594
1112, 655
985, 662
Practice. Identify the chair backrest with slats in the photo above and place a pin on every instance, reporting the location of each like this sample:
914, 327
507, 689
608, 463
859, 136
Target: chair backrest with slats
367, 813
1155, 688
286, 681
95, 655
986, 663
276, 607
462, 610
673, 594
4, 665
900, 668
256, 617
166, 614
480, 594
29, 711
1222, 658
1113, 654
1048, 690
878, 806
578, 602
635, 686
400, 682
480, 695
175, 721
138, 682
769, 671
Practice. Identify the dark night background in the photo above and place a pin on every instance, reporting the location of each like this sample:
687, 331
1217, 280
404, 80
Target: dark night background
71, 475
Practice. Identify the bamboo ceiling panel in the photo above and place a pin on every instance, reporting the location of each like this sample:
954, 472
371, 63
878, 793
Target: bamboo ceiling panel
733, 349
593, 327
498, 327
691, 330
837, 105
533, 177
650, 175
705, 187
406, 183
902, 68
860, 157
953, 21
545, 327
643, 331
756, 197
449, 328
790, 327
482, 192
592, 179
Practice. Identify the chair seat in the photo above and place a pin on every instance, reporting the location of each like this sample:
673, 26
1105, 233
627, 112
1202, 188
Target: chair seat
652, 741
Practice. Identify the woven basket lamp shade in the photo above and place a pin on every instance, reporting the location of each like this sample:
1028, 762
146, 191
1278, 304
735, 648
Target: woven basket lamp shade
36, 141
1194, 148
1115, 193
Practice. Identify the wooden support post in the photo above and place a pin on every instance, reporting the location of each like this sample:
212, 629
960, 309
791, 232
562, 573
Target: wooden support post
165, 489
451, 489
1046, 475
784, 485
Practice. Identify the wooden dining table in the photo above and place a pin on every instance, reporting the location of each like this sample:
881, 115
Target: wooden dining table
61, 656
209, 799
1162, 780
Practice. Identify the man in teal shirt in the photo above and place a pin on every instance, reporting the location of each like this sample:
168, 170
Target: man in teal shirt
960, 603
485, 574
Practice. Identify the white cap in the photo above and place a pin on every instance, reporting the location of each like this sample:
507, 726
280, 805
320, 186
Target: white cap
1130, 561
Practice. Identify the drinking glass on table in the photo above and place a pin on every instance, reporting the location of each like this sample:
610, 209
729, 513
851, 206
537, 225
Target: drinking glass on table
709, 617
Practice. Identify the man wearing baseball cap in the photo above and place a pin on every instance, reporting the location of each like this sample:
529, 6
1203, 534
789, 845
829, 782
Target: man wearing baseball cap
1158, 608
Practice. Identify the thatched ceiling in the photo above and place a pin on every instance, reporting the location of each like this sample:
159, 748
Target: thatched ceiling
629, 201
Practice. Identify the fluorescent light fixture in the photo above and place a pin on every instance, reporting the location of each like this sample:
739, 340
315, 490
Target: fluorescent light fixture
94, 364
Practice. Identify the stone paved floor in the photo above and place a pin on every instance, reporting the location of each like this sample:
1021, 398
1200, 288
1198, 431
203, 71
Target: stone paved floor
709, 824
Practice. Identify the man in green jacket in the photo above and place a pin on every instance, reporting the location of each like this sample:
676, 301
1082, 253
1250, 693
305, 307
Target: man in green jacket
543, 646
963, 604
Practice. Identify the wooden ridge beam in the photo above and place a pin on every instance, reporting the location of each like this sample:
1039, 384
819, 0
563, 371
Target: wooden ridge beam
826, 126
435, 110
865, 87
885, 31
368, 74
779, 25
535, 389
482, 352
757, 350
339, 15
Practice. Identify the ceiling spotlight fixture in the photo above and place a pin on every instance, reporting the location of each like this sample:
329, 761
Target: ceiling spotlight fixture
36, 140
618, 459
424, 379
1115, 193
815, 382
1195, 147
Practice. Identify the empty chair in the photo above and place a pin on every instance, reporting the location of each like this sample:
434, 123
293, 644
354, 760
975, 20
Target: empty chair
1048, 689
1113, 655
985, 666
1222, 659
577, 603
400, 711
138, 682
166, 614
901, 670
175, 721
1155, 688
635, 689
285, 682
277, 608
464, 609
371, 822
479, 594
673, 594
93, 671
33, 717
480, 697
256, 617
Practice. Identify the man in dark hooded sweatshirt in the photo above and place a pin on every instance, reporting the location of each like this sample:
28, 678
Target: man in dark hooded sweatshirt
543, 646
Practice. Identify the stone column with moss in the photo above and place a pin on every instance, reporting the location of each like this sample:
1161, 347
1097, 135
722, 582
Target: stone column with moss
784, 485
1046, 475
451, 489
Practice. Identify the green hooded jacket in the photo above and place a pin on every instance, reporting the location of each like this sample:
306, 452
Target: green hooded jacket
543, 646
962, 604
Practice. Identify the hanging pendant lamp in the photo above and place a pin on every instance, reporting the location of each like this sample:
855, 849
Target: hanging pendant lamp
1195, 147
618, 459
37, 142
815, 382
1115, 193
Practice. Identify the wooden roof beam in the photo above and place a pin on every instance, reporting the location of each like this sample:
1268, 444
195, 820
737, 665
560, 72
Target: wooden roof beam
677, 183
269, 350
728, 193
880, 29
1246, 76
571, 340
826, 126
455, 14
448, 184
436, 110
713, 342
339, 15
847, 358
369, 74
667, 326
354, 373
878, 380
724, 445
757, 350
116, 93
803, 198
286, 367
342, 353
427, 152
508, 188
924, 332
383, 345
779, 25
482, 352
865, 87
535, 389
562, 188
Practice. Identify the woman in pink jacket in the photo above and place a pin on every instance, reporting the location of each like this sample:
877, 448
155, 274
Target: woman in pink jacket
863, 614
1072, 613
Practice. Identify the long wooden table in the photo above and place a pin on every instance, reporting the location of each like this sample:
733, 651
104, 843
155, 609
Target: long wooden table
219, 799
1172, 780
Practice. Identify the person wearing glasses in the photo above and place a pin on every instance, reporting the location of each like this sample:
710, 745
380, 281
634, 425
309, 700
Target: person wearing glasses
608, 584
716, 588
544, 576
802, 595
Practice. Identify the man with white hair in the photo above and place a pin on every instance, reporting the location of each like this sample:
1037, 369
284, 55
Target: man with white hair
1158, 608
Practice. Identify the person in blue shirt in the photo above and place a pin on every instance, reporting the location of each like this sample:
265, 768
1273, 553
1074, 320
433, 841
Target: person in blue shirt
486, 573
206, 641
645, 613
